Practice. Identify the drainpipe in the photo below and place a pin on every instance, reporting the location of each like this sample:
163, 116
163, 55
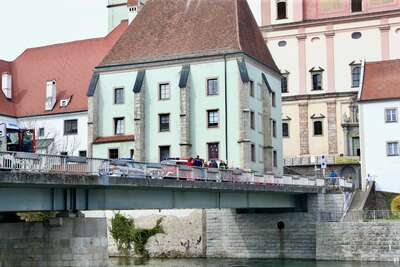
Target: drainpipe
226, 112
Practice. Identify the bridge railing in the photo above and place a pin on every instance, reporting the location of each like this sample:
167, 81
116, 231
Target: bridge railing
358, 215
17, 161
310, 160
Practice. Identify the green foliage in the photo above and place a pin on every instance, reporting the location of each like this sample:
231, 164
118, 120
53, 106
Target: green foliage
126, 235
36, 216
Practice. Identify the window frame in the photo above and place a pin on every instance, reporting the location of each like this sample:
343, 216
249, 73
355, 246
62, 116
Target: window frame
161, 129
253, 152
273, 128
159, 151
208, 150
285, 77
207, 82
109, 152
82, 152
251, 89
252, 120
355, 3
115, 95
41, 132
312, 80
322, 128
116, 127
278, 16
212, 125
288, 130
396, 112
397, 152
275, 158
353, 67
168, 90
69, 132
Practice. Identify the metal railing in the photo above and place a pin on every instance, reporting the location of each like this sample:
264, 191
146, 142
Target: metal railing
17, 161
316, 160
358, 216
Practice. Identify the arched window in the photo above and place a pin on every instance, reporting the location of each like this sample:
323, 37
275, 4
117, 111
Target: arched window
317, 128
355, 75
281, 9
356, 5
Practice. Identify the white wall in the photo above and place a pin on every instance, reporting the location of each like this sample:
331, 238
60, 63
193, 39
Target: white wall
54, 128
375, 132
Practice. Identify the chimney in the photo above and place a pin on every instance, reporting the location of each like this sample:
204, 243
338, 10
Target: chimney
50, 95
6, 84
134, 7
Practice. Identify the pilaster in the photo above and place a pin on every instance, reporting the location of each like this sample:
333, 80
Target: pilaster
301, 38
268, 160
139, 118
332, 127
244, 127
92, 122
303, 119
185, 145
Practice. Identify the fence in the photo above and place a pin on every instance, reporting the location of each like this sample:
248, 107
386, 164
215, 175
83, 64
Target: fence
316, 160
17, 161
358, 216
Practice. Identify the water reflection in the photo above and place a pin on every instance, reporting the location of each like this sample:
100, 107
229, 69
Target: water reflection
240, 263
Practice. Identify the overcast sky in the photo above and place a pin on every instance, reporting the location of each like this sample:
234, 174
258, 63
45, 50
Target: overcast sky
27, 23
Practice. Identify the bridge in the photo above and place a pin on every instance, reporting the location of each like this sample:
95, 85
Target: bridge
33, 182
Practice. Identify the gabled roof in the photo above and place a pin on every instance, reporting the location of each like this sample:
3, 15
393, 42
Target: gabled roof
186, 28
70, 64
381, 80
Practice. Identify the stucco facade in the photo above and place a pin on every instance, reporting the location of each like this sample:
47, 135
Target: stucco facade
331, 40
226, 101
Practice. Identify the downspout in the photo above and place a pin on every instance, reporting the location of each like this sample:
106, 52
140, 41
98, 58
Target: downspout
226, 112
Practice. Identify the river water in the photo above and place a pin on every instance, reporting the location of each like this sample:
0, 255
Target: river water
242, 263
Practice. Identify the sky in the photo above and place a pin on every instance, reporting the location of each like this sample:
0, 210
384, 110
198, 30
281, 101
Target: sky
27, 23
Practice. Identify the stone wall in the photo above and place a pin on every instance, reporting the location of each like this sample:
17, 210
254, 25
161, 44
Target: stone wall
61, 242
183, 229
363, 241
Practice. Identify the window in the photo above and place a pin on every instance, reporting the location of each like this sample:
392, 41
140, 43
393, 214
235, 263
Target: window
252, 120
164, 153
212, 118
393, 148
164, 91
316, 80
82, 153
132, 153
282, 43
356, 35
251, 88
355, 75
41, 132
64, 153
318, 128
275, 158
356, 5
253, 152
70, 127
119, 126
213, 151
273, 128
164, 122
284, 84
391, 115
212, 87
285, 129
273, 99
119, 96
281, 8
113, 153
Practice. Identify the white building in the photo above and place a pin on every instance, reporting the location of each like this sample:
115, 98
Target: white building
45, 89
380, 126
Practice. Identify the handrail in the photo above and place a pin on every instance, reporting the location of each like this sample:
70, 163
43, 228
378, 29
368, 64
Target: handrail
16, 161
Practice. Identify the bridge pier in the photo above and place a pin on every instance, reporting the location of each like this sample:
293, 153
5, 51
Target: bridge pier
63, 241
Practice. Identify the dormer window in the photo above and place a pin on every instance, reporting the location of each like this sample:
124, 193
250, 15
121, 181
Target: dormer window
6, 84
281, 9
356, 5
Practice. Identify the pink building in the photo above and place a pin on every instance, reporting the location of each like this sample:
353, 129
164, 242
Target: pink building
320, 47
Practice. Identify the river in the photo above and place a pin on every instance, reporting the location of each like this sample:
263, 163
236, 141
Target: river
242, 263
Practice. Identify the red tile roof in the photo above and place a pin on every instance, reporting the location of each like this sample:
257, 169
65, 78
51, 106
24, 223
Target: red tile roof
179, 28
132, 2
70, 64
117, 138
381, 80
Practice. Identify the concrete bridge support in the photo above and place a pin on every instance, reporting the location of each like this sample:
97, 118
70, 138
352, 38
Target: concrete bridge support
59, 242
